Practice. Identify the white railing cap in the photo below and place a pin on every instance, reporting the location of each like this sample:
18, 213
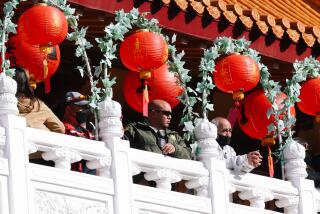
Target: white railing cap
46, 139
149, 161
249, 180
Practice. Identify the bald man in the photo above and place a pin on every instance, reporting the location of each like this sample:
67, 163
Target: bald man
243, 163
154, 135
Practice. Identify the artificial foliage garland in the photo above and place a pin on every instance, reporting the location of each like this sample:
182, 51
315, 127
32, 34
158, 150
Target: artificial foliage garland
6, 27
309, 67
79, 37
282, 127
225, 46
124, 22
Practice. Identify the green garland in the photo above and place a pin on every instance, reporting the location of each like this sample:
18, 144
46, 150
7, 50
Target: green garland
116, 32
223, 46
6, 27
283, 120
79, 37
309, 67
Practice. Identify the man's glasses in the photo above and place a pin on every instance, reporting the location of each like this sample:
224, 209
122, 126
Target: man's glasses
167, 113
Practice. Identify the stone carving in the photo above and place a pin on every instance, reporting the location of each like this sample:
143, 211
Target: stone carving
257, 197
110, 124
163, 178
62, 157
295, 167
102, 164
206, 134
200, 185
53, 203
2, 142
8, 100
290, 204
135, 169
32, 148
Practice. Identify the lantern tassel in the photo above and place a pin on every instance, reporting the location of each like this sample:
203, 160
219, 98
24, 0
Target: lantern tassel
46, 50
270, 163
145, 101
47, 86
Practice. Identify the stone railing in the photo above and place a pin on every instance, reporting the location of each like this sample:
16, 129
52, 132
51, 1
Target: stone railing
27, 188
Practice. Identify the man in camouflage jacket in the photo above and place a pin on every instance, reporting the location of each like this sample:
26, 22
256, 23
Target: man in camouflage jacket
153, 134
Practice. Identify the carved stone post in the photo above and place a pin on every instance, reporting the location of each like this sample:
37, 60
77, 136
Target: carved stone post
8, 100
16, 148
295, 171
206, 134
111, 131
110, 124
2, 142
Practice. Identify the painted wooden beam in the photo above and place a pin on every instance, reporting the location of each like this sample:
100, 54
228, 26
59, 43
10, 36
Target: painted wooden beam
201, 27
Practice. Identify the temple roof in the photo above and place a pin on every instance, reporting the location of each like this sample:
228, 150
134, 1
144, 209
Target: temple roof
299, 19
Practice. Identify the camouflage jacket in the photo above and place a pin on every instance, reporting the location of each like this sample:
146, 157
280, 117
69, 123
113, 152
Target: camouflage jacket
142, 136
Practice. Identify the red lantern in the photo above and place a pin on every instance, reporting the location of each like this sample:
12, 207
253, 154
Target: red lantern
310, 98
162, 85
236, 74
143, 51
253, 116
254, 122
30, 57
43, 25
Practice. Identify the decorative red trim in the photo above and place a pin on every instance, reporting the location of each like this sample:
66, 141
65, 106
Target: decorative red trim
194, 28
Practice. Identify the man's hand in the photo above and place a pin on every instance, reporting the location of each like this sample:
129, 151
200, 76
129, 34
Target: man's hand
168, 148
254, 158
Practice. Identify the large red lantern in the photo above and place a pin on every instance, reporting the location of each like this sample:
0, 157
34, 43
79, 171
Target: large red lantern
43, 25
143, 51
253, 115
30, 57
236, 74
162, 85
254, 122
310, 98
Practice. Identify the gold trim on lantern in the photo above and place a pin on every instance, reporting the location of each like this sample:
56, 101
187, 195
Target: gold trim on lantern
268, 140
145, 74
141, 30
46, 49
237, 96
41, 4
32, 82
317, 117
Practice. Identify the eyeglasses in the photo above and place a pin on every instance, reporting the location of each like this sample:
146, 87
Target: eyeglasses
167, 113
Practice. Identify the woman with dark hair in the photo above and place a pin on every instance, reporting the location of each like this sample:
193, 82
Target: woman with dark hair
37, 113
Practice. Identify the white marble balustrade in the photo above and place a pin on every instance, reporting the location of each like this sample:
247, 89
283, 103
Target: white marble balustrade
27, 188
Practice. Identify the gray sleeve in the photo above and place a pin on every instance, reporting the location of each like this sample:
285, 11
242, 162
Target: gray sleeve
236, 162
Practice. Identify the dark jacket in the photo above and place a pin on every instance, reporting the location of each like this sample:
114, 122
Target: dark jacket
143, 137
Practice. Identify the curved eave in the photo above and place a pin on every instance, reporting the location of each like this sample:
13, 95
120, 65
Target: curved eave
298, 19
